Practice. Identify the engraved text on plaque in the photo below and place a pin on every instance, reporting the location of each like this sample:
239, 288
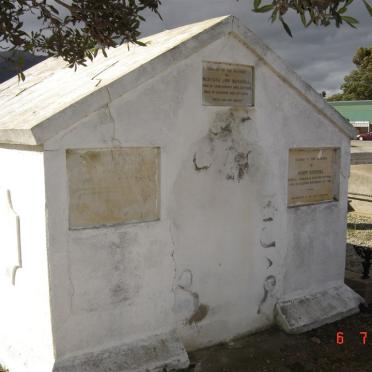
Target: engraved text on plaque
227, 84
312, 175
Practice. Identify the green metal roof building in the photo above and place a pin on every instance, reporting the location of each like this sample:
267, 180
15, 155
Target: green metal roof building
359, 113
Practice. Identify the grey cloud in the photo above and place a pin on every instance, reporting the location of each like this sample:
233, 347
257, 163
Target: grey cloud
321, 55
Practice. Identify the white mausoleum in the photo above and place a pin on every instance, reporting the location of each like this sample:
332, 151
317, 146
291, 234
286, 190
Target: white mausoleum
167, 198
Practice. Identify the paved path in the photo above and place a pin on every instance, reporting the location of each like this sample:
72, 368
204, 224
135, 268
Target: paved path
361, 152
361, 146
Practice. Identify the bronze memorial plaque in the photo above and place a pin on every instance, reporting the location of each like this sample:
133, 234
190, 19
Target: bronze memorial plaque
113, 186
313, 175
227, 84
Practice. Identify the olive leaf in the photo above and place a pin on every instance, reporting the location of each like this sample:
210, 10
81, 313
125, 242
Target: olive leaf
369, 7
350, 21
319, 13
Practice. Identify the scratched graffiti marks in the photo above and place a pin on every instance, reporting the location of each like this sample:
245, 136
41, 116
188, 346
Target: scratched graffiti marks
267, 240
269, 286
267, 232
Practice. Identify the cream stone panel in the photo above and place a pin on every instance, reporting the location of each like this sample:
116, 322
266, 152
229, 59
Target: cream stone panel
313, 175
113, 186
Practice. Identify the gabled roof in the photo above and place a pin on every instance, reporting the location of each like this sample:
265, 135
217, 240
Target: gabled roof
354, 110
54, 97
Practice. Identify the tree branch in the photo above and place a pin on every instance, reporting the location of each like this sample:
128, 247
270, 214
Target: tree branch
63, 4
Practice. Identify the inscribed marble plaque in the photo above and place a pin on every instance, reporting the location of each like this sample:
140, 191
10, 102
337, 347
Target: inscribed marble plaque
113, 186
227, 84
313, 175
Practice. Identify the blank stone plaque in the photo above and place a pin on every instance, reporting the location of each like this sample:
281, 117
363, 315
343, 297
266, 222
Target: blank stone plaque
113, 186
227, 84
313, 175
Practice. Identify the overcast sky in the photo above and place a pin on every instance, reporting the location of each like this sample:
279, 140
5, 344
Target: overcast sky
322, 56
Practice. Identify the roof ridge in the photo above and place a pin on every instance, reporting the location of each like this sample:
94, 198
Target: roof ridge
43, 116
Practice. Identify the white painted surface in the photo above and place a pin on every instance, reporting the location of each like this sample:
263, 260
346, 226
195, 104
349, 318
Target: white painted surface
25, 321
29, 104
53, 96
11, 253
226, 247
212, 229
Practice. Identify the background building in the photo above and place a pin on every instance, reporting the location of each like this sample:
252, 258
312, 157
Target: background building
359, 113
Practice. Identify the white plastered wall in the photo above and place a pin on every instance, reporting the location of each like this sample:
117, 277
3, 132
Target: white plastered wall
222, 234
25, 324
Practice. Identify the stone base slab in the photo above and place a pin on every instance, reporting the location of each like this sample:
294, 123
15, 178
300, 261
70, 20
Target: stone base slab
359, 285
307, 312
153, 354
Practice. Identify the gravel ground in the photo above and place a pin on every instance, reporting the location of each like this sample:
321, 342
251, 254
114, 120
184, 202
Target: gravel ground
359, 229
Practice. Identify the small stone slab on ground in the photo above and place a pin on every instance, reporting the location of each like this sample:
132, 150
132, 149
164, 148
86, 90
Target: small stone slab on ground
304, 313
158, 353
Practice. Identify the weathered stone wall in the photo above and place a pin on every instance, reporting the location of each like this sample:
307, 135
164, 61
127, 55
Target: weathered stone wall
226, 246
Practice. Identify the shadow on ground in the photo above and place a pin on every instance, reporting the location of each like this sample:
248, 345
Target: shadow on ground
275, 351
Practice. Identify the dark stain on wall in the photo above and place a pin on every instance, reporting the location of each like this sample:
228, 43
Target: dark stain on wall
199, 314
197, 167
269, 211
124, 265
119, 293
200, 310
267, 240
223, 131
267, 245
241, 161
225, 146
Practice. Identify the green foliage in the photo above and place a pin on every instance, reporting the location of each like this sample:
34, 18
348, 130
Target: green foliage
336, 97
317, 12
361, 55
74, 30
3, 369
358, 84
77, 30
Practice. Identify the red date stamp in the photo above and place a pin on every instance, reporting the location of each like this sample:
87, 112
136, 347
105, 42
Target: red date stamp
340, 337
